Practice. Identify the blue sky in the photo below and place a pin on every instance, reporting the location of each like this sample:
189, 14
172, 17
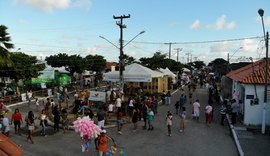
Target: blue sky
48, 27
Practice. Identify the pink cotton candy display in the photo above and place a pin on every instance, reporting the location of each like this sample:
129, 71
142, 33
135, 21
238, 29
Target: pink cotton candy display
86, 127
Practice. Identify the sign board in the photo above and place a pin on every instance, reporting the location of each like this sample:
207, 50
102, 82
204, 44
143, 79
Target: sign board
249, 96
97, 96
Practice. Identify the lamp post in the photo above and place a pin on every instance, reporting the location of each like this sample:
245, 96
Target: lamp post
261, 12
121, 63
229, 58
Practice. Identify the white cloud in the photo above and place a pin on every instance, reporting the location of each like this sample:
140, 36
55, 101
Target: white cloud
249, 45
222, 23
267, 21
195, 25
45, 5
231, 25
51, 5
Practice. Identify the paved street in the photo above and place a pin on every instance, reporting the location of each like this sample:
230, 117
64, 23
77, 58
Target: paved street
198, 139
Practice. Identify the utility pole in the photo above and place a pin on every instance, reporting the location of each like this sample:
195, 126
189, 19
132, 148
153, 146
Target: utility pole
178, 49
187, 57
121, 63
170, 47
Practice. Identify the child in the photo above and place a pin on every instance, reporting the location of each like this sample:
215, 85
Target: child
37, 105
119, 120
150, 117
169, 122
110, 108
182, 115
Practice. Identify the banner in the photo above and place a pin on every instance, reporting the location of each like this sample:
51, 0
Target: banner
97, 96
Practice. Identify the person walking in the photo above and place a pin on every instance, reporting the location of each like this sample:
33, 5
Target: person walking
43, 122
65, 123
135, 117
163, 97
101, 117
119, 120
56, 118
16, 118
37, 105
182, 100
234, 109
144, 113
182, 115
223, 112
168, 120
150, 117
5, 125
30, 122
168, 97
101, 143
208, 114
196, 110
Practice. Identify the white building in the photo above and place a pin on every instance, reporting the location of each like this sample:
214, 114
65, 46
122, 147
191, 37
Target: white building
249, 83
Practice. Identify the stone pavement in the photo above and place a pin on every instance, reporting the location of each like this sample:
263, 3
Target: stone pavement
198, 139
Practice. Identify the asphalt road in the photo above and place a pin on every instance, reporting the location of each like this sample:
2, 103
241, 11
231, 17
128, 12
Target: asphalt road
198, 138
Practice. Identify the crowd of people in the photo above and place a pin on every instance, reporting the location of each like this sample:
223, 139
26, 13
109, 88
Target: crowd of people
139, 108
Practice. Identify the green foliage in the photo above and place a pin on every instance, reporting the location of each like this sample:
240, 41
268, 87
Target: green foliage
73, 63
219, 65
95, 63
160, 61
24, 66
128, 59
5, 45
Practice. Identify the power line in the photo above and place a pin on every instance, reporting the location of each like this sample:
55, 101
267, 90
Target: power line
202, 42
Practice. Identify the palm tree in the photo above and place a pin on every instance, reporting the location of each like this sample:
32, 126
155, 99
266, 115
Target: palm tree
5, 45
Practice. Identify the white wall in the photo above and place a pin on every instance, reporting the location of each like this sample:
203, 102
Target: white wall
253, 113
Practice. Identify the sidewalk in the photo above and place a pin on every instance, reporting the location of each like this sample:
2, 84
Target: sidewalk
250, 141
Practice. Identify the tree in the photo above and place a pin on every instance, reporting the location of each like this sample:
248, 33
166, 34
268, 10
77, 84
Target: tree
25, 66
128, 59
219, 65
95, 63
73, 63
5, 46
160, 61
198, 64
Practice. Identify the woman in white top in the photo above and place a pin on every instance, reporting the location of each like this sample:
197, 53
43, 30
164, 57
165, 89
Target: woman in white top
43, 121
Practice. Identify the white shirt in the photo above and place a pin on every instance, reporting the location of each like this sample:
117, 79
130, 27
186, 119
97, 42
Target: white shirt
118, 102
111, 107
6, 124
131, 103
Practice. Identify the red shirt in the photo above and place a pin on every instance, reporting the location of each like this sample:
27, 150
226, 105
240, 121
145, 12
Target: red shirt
16, 116
119, 115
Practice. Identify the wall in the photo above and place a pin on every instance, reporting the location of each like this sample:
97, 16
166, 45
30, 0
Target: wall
253, 113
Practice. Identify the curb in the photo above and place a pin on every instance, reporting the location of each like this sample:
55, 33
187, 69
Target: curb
235, 138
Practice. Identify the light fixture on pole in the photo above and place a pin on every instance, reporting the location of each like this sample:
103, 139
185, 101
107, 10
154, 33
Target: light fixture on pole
229, 58
261, 12
121, 63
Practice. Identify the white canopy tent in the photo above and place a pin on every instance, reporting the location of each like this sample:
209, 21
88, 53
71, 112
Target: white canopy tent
133, 73
167, 71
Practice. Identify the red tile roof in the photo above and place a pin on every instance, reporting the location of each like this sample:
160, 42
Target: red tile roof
249, 74
109, 64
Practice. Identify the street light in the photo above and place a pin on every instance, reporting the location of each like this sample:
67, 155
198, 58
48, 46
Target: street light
261, 12
233, 54
121, 63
